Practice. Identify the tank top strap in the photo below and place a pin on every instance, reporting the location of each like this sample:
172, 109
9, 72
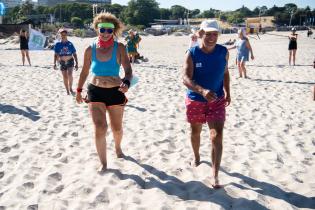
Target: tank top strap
115, 50
93, 45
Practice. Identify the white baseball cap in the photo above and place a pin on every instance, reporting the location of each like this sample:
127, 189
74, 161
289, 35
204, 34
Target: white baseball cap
209, 25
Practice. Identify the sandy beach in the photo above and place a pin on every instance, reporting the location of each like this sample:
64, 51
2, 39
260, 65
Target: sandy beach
48, 159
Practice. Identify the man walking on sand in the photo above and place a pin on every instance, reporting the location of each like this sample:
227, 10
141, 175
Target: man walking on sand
207, 78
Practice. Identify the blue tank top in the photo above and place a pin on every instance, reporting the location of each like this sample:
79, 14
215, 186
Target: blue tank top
241, 47
107, 68
208, 71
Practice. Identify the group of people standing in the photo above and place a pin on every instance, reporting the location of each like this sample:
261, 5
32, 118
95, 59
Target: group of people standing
206, 99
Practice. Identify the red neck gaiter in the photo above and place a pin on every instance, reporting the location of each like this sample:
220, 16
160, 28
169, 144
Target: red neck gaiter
105, 44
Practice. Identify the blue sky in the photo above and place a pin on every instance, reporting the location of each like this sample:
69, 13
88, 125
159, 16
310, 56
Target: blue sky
226, 4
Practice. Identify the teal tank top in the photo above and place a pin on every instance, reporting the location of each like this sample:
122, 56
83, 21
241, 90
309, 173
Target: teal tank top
107, 68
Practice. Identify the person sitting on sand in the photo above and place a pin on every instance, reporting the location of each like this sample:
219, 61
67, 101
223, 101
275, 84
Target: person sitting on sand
24, 46
133, 40
206, 75
64, 53
106, 90
243, 48
292, 45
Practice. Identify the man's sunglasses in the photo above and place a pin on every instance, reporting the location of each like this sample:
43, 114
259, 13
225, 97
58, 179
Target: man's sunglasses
108, 30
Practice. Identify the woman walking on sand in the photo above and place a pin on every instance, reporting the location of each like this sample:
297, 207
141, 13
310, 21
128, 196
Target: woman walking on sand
106, 90
65, 53
24, 46
292, 46
243, 48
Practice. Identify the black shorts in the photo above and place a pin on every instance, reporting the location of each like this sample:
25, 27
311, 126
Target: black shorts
292, 45
65, 65
108, 96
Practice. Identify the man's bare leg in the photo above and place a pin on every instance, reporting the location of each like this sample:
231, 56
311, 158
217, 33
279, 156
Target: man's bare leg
195, 141
216, 136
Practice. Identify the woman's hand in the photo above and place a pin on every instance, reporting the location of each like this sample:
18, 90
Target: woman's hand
123, 87
79, 98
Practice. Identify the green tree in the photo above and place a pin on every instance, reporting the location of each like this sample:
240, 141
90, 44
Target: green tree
141, 12
178, 12
165, 13
77, 22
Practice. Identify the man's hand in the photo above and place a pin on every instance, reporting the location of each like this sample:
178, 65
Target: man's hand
252, 57
76, 67
209, 95
227, 100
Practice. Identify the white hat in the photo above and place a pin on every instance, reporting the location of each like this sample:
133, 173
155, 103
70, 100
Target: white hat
209, 25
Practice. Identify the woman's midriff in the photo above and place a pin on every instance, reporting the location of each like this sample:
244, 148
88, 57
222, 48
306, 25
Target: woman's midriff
106, 82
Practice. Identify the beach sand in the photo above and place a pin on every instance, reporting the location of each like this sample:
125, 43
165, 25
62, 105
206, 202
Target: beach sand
48, 158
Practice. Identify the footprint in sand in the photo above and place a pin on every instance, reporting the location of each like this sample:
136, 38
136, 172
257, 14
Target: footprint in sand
1, 174
28, 185
55, 176
6, 149
33, 207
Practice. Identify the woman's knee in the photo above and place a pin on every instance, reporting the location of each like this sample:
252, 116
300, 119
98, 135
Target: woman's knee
100, 126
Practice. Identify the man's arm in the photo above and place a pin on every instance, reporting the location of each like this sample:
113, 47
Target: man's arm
226, 81
188, 71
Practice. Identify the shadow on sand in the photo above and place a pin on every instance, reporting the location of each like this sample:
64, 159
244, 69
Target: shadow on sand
271, 190
192, 190
29, 113
280, 81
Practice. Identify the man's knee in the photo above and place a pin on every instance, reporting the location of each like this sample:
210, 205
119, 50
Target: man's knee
216, 135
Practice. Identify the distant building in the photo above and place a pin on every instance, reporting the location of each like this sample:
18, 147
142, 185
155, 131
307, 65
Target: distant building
11, 3
55, 2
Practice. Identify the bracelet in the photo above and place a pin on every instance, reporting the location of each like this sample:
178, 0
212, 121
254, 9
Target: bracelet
79, 90
127, 82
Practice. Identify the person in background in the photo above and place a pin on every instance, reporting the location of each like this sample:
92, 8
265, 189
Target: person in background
133, 40
243, 48
65, 54
24, 46
292, 45
193, 39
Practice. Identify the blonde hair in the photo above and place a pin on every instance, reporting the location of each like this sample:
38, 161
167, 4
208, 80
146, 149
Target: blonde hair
108, 18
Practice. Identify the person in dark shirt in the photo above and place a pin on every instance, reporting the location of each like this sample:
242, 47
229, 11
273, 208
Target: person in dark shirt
24, 46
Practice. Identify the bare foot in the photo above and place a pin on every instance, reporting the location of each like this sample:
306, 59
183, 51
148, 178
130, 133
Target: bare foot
102, 168
195, 163
119, 153
215, 183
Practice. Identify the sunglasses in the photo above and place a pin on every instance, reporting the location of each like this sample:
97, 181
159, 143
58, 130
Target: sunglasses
108, 30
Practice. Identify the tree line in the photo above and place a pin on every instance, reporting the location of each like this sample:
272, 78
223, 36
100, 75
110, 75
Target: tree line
141, 13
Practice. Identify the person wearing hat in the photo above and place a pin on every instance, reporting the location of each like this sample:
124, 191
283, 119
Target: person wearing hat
292, 45
65, 54
206, 75
133, 39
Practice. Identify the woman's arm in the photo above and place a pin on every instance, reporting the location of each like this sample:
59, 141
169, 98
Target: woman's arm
84, 73
124, 61
250, 49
